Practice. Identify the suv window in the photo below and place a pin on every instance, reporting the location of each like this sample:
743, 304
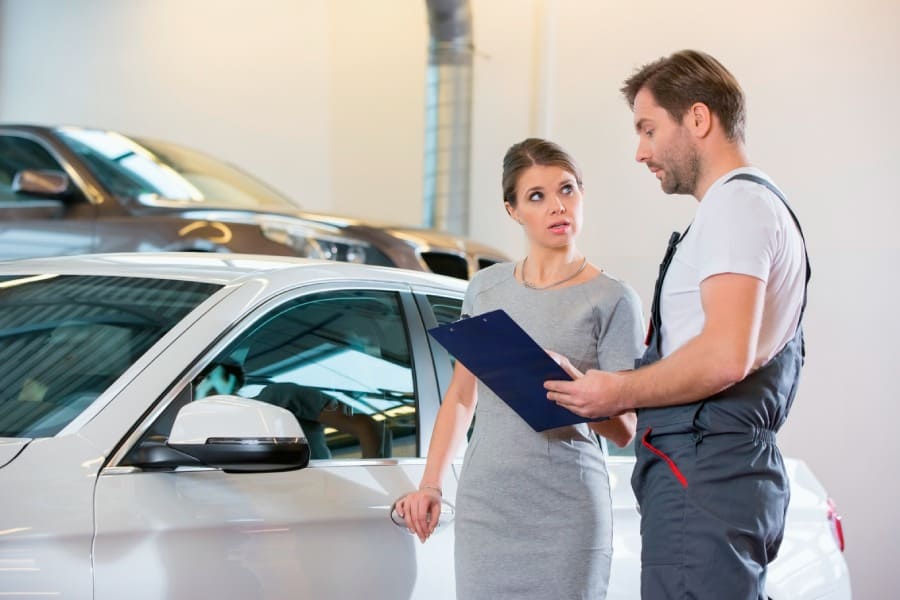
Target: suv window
17, 154
340, 361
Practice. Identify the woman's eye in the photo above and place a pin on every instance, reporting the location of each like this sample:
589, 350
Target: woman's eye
567, 189
535, 196
649, 133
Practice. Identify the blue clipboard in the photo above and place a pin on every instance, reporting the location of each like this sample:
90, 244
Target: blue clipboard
507, 360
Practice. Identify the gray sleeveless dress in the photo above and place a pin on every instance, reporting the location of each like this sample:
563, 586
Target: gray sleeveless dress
533, 510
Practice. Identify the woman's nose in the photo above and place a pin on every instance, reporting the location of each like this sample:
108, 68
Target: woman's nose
558, 206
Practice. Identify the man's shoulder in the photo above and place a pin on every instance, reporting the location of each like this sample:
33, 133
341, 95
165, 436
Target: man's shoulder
740, 194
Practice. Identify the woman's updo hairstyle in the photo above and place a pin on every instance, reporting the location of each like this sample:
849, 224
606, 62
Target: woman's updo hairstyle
530, 152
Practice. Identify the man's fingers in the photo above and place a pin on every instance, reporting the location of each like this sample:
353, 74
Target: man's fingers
563, 387
565, 401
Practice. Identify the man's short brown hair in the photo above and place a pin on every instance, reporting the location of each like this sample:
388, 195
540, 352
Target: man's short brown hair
687, 77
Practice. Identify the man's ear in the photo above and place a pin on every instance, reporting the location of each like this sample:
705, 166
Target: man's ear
699, 119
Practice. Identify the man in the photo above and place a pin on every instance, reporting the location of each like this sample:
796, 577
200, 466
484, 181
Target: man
724, 348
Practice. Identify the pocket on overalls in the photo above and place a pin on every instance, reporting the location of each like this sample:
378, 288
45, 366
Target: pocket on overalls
669, 448
666, 467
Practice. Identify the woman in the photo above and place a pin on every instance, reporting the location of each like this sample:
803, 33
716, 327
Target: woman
533, 510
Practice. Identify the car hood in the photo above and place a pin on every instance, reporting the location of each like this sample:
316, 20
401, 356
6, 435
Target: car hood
418, 236
430, 238
369, 230
234, 214
10, 448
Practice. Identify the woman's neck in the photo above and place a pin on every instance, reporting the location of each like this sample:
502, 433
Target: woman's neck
551, 264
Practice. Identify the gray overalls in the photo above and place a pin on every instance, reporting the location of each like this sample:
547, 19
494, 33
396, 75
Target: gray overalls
709, 478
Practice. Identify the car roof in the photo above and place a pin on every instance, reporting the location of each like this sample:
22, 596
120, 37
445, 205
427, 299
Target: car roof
222, 268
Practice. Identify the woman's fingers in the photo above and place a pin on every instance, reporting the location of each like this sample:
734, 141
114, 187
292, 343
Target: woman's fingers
565, 363
418, 512
435, 516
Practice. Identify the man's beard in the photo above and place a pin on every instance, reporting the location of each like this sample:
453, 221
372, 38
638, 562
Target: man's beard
683, 172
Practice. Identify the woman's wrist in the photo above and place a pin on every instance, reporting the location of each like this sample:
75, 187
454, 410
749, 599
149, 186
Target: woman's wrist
431, 486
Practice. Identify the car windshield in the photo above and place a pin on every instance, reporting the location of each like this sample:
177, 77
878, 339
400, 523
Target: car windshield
65, 339
150, 171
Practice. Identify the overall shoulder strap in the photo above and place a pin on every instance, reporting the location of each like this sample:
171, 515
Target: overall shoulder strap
771, 187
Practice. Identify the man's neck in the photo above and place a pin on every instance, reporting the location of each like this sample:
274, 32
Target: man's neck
719, 161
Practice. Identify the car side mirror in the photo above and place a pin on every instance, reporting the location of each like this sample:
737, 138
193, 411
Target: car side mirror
239, 435
40, 182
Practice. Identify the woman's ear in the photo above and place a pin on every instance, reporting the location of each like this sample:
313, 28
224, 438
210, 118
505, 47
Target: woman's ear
511, 211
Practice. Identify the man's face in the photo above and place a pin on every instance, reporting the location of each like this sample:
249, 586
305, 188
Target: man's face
665, 145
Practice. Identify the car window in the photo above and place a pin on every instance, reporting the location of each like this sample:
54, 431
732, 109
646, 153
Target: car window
65, 339
138, 169
443, 263
17, 154
446, 310
340, 361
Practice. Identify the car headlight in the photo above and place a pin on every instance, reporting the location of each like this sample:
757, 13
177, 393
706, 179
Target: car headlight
312, 242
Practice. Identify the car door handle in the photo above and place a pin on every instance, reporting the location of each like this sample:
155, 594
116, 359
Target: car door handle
448, 512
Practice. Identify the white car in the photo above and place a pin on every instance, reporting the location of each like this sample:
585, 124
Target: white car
121, 478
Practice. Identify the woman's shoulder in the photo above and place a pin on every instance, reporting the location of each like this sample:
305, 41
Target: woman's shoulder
606, 288
491, 276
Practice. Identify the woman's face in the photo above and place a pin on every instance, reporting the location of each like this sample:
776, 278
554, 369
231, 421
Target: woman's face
548, 205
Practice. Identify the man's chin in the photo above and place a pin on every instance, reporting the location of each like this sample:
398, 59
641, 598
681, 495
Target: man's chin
675, 188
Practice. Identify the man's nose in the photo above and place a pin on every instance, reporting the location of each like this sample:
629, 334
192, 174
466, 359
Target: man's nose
643, 152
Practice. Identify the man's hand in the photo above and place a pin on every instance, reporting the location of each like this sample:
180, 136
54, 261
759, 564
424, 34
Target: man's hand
593, 395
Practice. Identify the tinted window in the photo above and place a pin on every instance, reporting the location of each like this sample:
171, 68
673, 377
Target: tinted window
447, 264
18, 154
65, 339
340, 361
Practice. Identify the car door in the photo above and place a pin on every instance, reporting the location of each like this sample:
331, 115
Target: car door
33, 226
352, 363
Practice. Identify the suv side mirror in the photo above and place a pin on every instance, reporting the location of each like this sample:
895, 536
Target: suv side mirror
41, 182
239, 435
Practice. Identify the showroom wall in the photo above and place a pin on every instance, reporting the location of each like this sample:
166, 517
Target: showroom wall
325, 101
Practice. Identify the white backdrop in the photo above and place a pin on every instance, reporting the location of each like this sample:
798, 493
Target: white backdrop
325, 101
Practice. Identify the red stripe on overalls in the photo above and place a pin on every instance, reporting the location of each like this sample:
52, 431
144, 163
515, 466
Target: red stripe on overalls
662, 455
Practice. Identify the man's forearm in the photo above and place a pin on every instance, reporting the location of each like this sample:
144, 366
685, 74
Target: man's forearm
695, 371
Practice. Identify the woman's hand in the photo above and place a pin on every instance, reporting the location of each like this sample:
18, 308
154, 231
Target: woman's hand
421, 510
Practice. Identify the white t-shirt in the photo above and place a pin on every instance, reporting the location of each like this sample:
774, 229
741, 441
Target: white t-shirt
739, 227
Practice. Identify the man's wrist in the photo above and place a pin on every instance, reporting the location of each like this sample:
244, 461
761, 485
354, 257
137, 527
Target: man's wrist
627, 392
